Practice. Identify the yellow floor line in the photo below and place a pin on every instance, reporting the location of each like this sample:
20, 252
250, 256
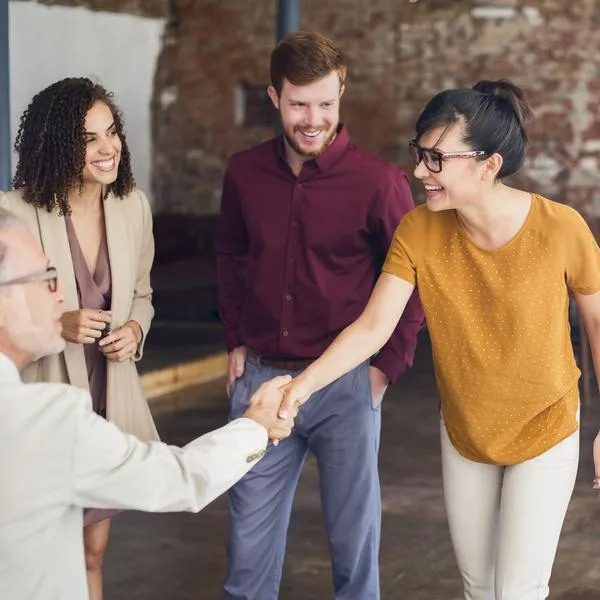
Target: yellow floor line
178, 377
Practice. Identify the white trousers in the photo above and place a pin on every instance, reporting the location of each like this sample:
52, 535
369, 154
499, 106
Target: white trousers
505, 521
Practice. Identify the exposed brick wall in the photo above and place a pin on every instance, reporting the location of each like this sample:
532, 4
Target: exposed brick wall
400, 53
144, 8
207, 50
551, 49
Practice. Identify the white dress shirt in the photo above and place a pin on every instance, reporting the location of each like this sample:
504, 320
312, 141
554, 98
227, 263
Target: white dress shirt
57, 456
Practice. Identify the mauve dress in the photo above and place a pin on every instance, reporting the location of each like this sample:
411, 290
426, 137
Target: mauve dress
93, 292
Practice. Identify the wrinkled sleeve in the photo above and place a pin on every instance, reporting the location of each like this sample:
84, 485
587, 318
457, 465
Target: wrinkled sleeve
394, 201
401, 259
232, 252
112, 469
142, 310
583, 258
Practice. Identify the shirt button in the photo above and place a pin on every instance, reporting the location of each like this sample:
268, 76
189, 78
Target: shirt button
294, 223
288, 297
285, 333
300, 186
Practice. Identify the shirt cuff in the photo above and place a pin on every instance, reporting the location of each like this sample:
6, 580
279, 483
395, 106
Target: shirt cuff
260, 434
232, 339
140, 345
390, 364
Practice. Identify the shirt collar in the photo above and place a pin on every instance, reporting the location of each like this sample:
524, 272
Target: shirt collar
333, 152
8, 370
335, 149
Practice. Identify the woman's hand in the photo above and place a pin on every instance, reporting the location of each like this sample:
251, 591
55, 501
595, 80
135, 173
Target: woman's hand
295, 394
84, 326
597, 462
122, 343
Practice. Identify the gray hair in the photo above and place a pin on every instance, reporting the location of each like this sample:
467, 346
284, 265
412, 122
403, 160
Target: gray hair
8, 220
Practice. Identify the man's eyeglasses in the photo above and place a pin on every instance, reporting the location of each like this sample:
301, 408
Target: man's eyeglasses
49, 275
432, 158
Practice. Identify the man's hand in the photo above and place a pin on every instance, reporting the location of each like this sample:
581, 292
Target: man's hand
84, 326
235, 366
264, 405
379, 383
122, 343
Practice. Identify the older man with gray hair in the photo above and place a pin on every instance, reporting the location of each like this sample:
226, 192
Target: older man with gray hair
57, 456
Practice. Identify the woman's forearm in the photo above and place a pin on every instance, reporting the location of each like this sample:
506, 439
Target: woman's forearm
354, 345
357, 342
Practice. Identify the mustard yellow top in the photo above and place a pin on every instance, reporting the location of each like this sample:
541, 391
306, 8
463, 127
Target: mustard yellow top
498, 322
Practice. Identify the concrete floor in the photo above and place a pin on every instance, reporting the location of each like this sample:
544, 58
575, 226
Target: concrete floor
182, 556
173, 342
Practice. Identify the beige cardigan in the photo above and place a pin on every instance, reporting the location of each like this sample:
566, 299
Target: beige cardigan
131, 252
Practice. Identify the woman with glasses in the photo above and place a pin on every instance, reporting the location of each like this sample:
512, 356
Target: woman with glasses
74, 188
494, 266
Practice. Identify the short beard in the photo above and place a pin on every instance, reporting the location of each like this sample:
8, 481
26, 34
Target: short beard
30, 339
298, 150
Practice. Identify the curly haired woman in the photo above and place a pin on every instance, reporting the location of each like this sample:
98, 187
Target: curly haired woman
74, 188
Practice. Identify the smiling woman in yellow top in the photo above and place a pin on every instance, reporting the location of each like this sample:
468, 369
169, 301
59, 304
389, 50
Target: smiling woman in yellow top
497, 317
494, 267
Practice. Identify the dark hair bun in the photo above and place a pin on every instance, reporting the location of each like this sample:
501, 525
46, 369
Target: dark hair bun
507, 90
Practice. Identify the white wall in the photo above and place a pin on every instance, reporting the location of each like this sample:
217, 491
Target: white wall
48, 43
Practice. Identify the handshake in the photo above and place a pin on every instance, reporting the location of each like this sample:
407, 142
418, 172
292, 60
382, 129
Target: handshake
275, 405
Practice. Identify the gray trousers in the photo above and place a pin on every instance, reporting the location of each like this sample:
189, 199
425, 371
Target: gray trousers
341, 428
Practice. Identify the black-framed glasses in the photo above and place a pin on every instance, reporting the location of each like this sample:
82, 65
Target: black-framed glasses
49, 275
432, 158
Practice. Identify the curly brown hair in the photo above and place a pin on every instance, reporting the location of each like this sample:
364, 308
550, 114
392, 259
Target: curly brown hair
51, 144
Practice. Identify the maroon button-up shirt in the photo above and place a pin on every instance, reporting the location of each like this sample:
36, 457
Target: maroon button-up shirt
298, 256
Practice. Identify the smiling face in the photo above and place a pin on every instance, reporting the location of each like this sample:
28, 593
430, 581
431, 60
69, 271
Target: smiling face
103, 146
462, 181
310, 114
